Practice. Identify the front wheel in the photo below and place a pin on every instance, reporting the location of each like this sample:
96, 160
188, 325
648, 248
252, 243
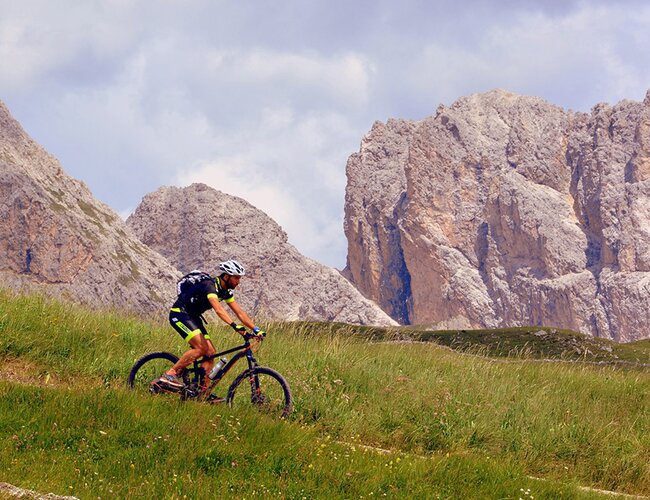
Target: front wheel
266, 390
149, 368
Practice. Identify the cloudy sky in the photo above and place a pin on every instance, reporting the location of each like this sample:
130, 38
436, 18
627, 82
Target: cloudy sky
267, 99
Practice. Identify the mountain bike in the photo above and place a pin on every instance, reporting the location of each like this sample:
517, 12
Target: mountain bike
269, 391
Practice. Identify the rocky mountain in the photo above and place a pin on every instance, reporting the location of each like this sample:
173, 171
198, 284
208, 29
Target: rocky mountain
197, 227
55, 237
505, 210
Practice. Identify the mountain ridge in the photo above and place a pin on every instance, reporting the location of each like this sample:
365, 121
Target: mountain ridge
198, 226
57, 238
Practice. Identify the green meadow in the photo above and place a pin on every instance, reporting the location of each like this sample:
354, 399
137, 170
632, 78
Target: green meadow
377, 414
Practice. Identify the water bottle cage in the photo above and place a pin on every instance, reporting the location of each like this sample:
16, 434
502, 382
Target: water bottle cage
218, 368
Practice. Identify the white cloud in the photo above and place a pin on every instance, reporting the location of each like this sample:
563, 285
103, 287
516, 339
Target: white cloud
44, 40
593, 53
343, 78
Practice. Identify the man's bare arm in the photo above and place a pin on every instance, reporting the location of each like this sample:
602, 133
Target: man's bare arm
219, 310
243, 317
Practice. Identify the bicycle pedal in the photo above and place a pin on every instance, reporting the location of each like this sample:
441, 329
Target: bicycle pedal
154, 388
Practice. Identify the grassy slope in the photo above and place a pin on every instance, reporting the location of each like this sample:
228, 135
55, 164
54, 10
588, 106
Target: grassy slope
459, 426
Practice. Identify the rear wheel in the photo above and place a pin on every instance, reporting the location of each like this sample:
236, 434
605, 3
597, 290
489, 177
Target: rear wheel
149, 368
264, 388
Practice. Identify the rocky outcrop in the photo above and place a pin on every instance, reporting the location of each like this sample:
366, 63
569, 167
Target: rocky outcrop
56, 238
197, 227
375, 261
505, 210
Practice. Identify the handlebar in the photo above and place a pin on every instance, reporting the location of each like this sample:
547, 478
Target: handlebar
248, 336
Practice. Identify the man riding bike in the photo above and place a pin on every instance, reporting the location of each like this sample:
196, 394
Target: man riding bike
198, 292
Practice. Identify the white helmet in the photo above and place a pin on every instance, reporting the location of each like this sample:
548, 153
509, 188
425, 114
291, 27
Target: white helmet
232, 267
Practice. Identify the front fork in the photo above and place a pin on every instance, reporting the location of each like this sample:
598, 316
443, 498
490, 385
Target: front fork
254, 380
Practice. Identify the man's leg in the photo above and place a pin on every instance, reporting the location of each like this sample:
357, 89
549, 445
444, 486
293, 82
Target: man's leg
197, 343
195, 334
208, 350
170, 377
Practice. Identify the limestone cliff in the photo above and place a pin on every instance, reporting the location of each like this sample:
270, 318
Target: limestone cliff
506, 210
56, 238
197, 227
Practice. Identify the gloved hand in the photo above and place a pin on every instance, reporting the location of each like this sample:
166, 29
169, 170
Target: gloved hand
241, 329
258, 332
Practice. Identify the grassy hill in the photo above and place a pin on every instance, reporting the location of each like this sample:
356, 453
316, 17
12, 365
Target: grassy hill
376, 414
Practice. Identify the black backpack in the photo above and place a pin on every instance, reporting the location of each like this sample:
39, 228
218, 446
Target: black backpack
185, 285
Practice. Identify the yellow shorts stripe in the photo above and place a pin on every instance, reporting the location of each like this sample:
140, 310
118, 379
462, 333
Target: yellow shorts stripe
189, 334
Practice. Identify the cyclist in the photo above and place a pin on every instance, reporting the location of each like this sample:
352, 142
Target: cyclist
201, 294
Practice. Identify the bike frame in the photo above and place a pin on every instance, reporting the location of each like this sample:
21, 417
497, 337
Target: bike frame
245, 350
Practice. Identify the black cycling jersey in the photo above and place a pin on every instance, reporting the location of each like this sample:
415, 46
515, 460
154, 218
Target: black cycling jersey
195, 301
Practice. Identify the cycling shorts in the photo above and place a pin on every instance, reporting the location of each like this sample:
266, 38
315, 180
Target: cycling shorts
187, 326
